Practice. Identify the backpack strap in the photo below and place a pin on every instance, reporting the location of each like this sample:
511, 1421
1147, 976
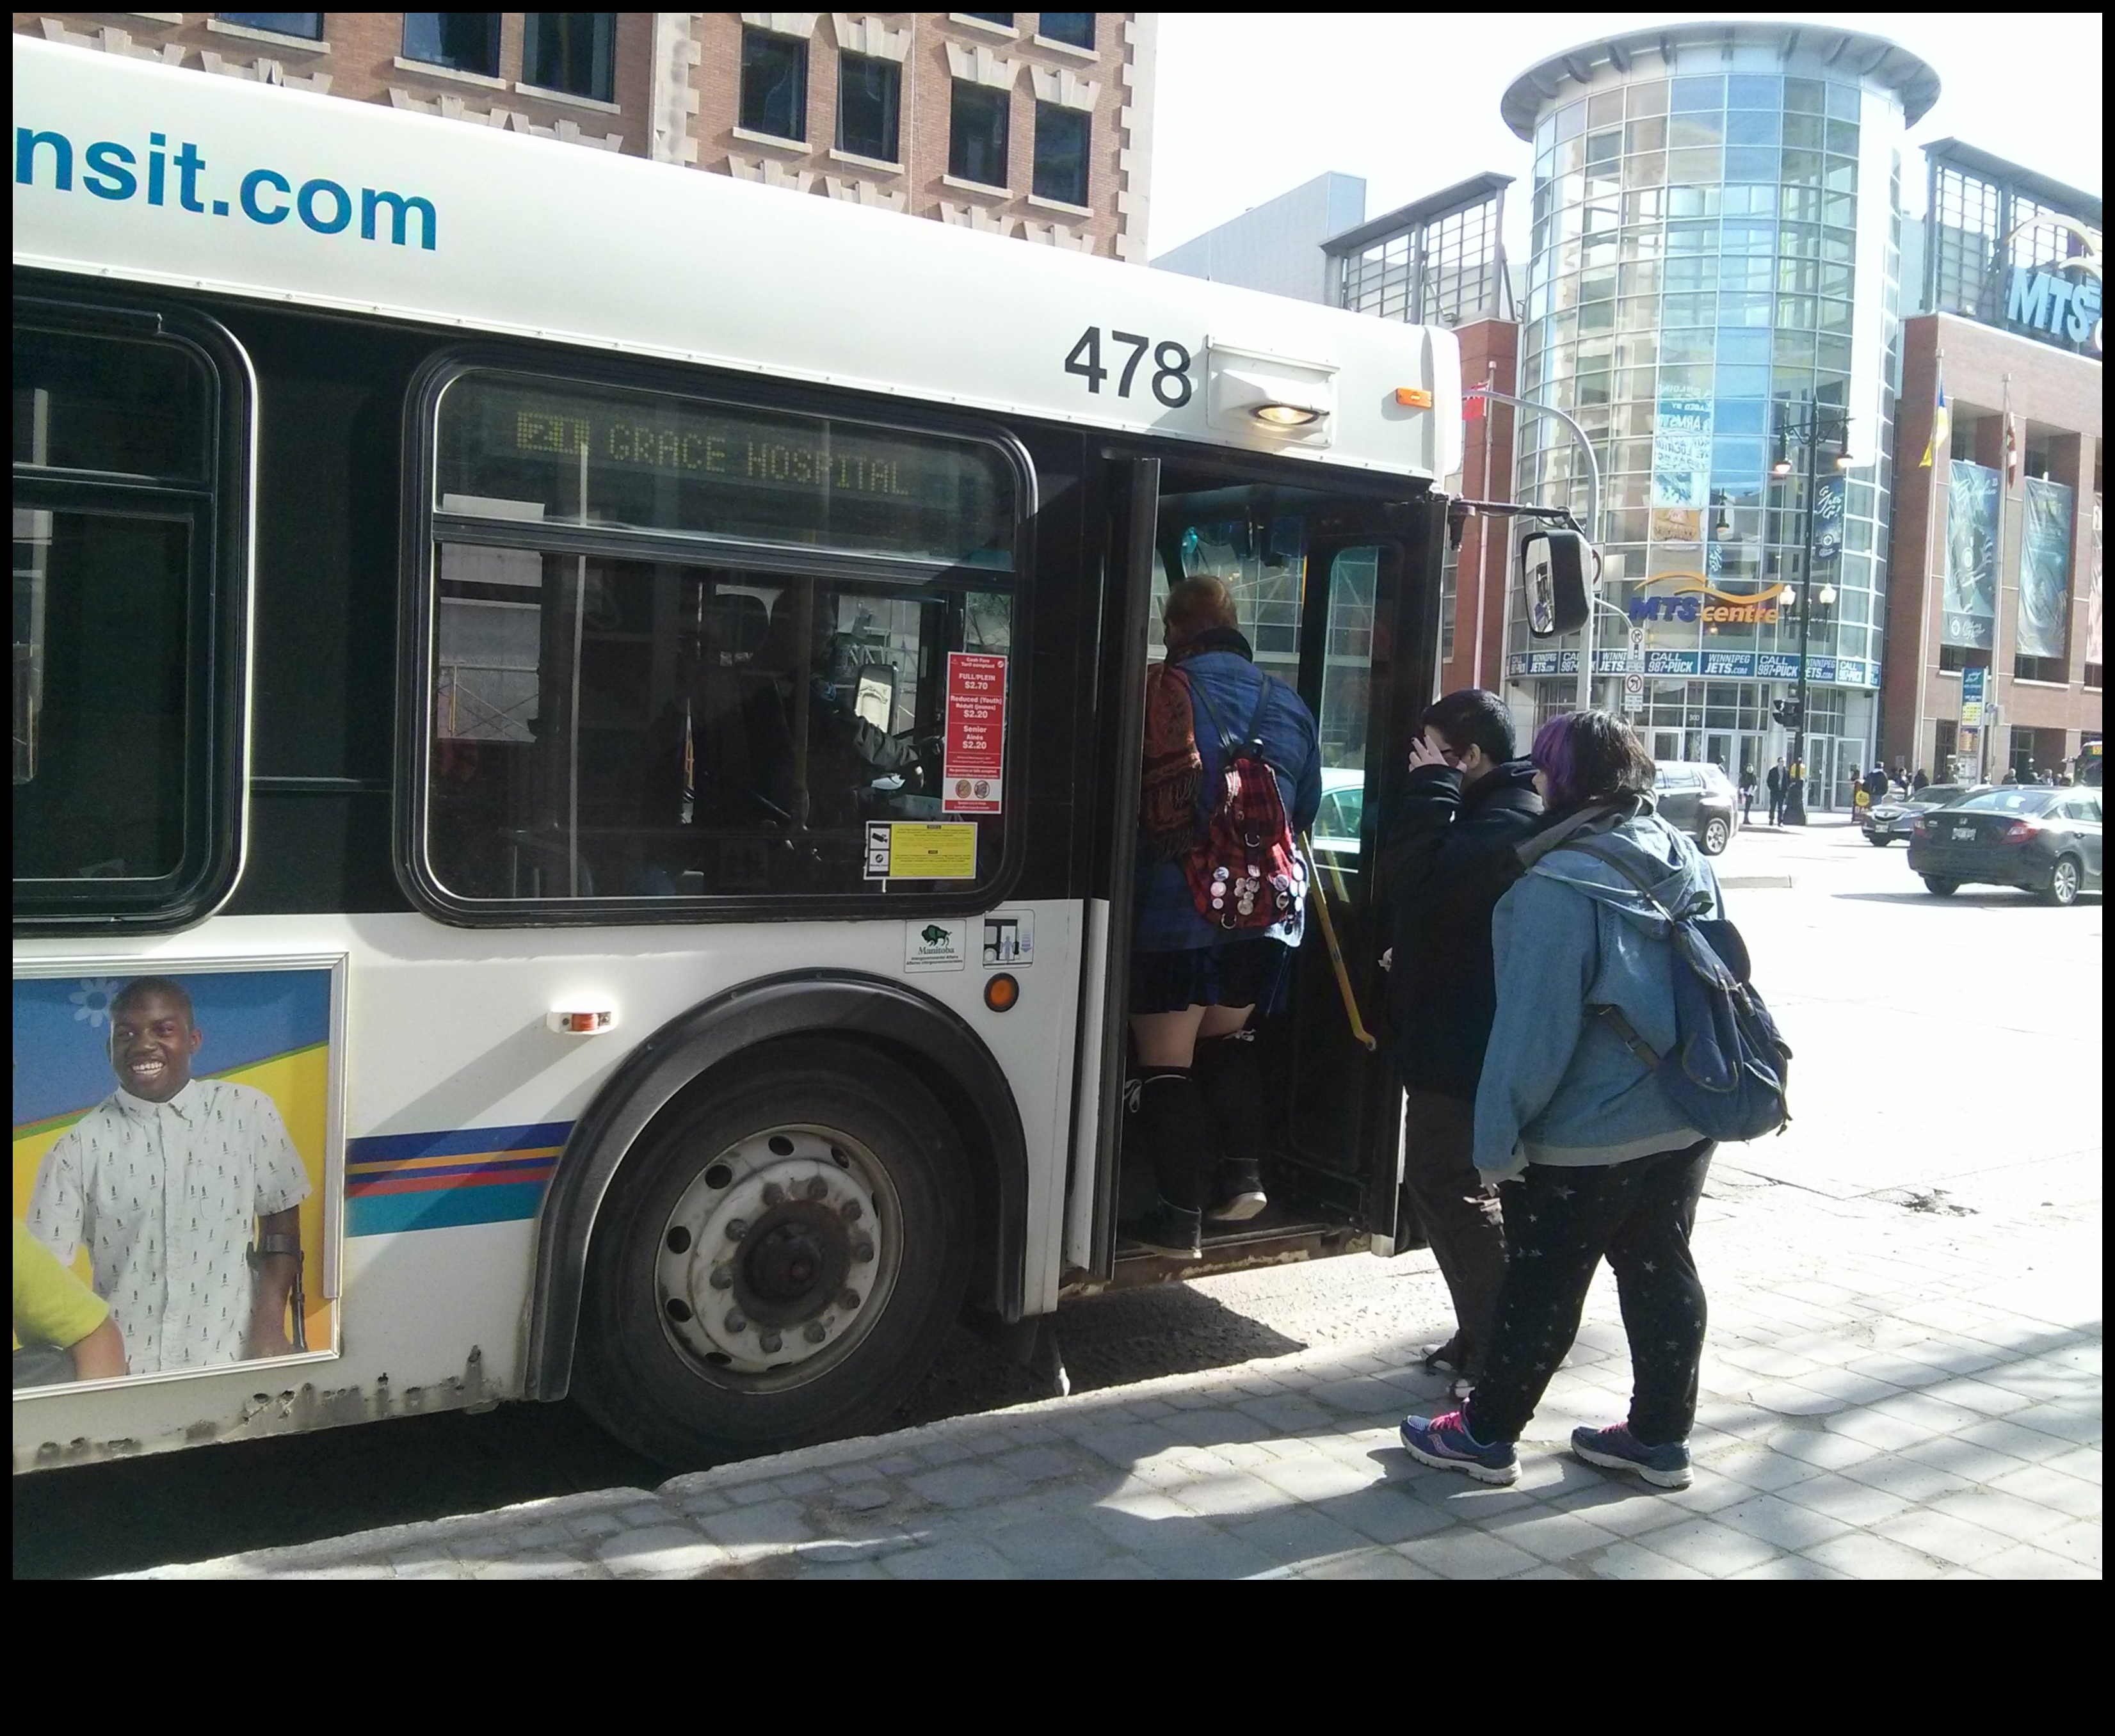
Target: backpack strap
1228, 744
1613, 1014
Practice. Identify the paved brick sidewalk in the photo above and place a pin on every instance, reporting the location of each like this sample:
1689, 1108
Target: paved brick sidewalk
1890, 1391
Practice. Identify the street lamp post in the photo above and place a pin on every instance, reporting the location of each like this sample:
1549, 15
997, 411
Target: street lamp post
1809, 430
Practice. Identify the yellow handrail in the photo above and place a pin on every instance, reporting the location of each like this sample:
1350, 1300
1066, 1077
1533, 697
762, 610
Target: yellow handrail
1365, 1037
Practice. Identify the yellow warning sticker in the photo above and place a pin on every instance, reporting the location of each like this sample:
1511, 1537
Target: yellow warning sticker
899, 850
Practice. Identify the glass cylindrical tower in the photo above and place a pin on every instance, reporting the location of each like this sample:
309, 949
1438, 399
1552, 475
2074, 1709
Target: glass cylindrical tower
1713, 270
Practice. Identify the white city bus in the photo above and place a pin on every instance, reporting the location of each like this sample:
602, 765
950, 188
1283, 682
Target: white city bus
614, 694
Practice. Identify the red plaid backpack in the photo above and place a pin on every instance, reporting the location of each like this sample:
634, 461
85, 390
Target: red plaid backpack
1247, 873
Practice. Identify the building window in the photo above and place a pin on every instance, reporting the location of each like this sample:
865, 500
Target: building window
1004, 20
2040, 668
1061, 153
1450, 590
461, 42
976, 134
774, 85
869, 93
570, 52
307, 25
1075, 29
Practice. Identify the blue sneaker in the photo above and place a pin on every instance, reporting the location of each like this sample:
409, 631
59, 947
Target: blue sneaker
1445, 1443
1618, 1449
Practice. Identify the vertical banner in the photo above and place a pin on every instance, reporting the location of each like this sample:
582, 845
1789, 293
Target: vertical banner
2046, 570
1970, 598
1828, 518
178, 1159
975, 756
1975, 693
1681, 468
2093, 591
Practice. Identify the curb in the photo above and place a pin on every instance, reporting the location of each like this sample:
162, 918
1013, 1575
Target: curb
1758, 881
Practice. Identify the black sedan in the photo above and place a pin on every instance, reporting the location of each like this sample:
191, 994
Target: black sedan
1892, 817
2046, 841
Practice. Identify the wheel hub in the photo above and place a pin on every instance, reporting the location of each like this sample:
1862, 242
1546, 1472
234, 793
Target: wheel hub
775, 1253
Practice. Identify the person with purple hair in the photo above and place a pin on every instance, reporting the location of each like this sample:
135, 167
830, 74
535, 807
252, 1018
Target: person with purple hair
1597, 1161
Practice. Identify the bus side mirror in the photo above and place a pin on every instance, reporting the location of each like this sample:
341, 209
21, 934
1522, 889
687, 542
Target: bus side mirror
1553, 575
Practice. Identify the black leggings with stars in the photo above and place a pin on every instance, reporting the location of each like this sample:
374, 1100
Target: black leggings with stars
1559, 1223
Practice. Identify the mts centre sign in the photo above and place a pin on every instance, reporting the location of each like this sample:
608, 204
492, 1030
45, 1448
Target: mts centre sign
1691, 597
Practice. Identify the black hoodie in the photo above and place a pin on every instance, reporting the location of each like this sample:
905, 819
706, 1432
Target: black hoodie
1447, 857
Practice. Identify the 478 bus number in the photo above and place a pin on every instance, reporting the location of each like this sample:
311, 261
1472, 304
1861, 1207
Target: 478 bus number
1171, 365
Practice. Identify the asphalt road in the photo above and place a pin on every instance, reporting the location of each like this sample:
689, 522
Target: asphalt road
1948, 1052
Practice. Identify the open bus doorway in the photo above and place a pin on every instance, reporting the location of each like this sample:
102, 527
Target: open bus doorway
1336, 597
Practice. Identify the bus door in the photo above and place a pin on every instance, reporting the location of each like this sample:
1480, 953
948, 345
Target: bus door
1368, 626
1338, 597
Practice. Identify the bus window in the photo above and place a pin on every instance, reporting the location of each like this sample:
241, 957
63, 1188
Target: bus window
767, 717
122, 805
631, 729
1340, 718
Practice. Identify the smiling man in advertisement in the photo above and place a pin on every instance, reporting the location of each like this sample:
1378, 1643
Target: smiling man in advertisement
163, 1182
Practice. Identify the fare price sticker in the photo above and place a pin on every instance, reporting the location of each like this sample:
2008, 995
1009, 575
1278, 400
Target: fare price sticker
975, 754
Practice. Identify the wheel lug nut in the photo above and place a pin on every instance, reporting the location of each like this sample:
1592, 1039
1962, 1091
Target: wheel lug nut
814, 1332
818, 1189
773, 1194
768, 1342
863, 1252
735, 1322
723, 1278
851, 1211
737, 1228
849, 1299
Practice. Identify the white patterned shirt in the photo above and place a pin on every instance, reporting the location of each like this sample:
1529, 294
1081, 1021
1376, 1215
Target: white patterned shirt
166, 1196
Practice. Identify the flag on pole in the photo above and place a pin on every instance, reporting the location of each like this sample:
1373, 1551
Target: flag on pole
1941, 420
2012, 442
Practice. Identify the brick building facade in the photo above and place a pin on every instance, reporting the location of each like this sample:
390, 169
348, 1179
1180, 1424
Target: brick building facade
1036, 125
2048, 707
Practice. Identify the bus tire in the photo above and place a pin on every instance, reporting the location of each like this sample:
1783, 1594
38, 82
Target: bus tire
781, 1264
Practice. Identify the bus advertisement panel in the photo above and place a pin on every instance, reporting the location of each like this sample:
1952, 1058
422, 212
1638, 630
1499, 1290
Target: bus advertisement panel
176, 1158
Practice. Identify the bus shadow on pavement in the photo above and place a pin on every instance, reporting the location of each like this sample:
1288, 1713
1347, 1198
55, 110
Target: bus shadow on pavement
1109, 1340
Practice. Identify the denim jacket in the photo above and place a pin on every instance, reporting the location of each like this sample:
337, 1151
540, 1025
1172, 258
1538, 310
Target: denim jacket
1559, 1087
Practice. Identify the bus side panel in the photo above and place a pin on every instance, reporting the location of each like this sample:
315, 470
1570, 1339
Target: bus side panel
448, 1047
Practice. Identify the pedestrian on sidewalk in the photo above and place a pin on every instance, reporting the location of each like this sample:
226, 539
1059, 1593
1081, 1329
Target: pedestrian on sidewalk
1447, 856
1600, 1163
1747, 793
1775, 783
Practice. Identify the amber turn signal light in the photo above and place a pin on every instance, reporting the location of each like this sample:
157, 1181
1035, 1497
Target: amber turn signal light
1001, 992
1413, 397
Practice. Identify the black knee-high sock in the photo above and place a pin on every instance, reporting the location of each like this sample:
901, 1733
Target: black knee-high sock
1169, 1124
1230, 1079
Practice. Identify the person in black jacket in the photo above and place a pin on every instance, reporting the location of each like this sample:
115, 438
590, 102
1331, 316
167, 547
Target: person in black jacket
1446, 857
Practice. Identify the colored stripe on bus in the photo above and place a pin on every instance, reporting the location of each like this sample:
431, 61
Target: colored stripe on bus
398, 1181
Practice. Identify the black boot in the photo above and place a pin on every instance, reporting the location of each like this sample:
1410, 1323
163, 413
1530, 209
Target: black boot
1170, 1230
1229, 1077
1167, 1126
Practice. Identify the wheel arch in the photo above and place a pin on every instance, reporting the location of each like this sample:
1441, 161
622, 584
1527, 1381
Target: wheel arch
933, 1040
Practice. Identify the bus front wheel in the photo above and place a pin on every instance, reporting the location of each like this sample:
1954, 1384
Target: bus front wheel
781, 1262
